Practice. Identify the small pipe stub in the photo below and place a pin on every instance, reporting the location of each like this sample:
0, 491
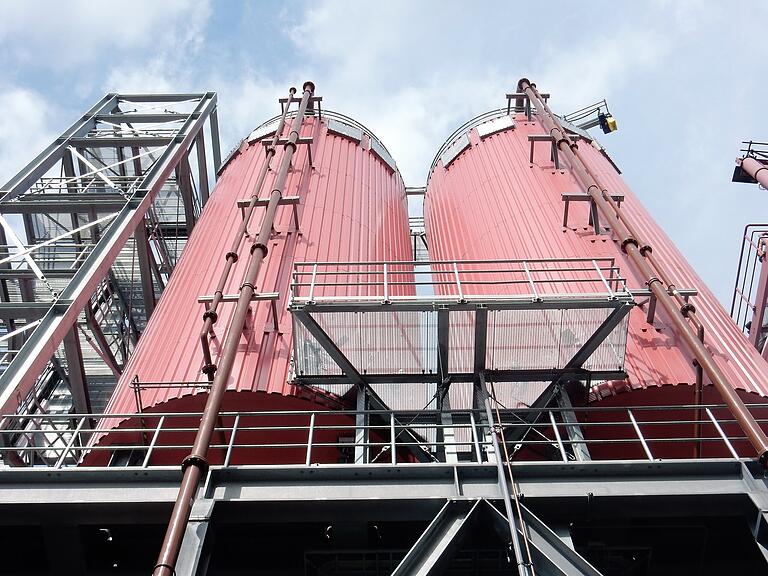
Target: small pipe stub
309, 85
197, 461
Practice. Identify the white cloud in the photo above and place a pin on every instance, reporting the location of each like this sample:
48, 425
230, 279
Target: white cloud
24, 128
81, 32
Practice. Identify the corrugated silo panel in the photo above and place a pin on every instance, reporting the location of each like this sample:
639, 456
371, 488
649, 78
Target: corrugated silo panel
352, 208
494, 204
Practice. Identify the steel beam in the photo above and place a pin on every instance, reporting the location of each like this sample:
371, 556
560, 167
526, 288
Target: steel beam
440, 541
78, 384
145, 268
551, 556
55, 151
195, 554
350, 372
599, 336
572, 428
202, 168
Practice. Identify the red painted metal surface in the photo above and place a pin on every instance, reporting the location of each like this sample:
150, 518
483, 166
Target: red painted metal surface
352, 208
492, 203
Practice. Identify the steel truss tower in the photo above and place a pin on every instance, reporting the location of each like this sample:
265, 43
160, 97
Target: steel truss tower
511, 467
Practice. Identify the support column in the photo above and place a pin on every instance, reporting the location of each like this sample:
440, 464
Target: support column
202, 168
185, 189
361, 426
145, 267
194, 554
575, 434
78, 384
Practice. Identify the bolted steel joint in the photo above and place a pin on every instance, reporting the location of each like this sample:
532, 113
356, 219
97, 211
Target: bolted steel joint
209, 369
197, 461
259, 245
686, 309
233, 256
626, 242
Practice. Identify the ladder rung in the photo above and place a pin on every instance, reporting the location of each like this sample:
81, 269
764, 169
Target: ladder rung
235, 297
283, 141
264, 201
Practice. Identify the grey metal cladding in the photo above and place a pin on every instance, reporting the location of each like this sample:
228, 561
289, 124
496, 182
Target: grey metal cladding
262, 131
494, 126
344, 129
378, 149
459, 145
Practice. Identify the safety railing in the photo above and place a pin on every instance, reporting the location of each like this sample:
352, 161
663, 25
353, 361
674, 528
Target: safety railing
316, 438
754, 245
534, 279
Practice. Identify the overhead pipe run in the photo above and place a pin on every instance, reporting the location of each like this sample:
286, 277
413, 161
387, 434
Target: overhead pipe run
641, 254
195, 465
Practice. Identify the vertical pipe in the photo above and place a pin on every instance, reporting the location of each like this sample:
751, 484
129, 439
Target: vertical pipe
640, 255
196, 464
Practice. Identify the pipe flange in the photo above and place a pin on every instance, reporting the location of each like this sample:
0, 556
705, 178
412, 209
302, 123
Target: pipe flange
209, 369
309, 85
197, 461
263, 247
290, 144
171, 568
212, 315
686, 309
232, 255
646, 250
626, 242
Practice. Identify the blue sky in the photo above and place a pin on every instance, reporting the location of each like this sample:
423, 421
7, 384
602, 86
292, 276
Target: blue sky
682, 77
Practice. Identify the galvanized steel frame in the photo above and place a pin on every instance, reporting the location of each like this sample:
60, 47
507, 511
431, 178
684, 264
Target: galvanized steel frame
57, 318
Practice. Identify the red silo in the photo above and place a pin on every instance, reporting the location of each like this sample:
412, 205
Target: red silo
350, 206
488, 199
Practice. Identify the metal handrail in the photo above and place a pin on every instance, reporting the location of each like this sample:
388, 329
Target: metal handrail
597, 277
88, 435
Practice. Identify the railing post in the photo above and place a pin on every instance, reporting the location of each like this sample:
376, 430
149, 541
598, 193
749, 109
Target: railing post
528, 275
475, 440
563, 455
602, 278
230, 446
458, 281
71, 443
386, 284
153, 442
310, 438
640, 436
392, 437
312, 283
722, 434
